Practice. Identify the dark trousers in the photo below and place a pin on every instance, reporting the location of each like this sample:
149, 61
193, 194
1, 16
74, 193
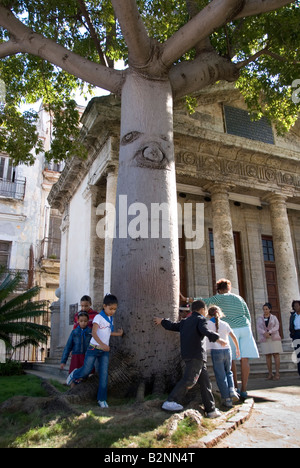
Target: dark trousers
296, 345
195, 372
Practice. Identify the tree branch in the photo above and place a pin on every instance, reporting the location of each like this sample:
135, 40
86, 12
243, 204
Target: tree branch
256, 7
8, 48
268, 52
24, 40
92, 32
206, 69
214, 15
134, 32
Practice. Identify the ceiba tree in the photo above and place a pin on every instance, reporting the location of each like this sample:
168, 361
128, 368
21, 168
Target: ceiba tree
172, 49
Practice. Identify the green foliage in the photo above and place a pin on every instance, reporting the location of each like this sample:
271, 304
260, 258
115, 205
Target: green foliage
66, 131
11, 368
265, 82
16, 314
18, 134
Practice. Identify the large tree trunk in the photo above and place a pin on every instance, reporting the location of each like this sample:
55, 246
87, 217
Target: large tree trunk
145, 265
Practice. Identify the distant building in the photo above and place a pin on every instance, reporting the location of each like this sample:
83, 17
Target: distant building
30, 233
247, 177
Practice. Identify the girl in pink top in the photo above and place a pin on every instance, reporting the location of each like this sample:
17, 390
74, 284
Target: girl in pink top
270, 339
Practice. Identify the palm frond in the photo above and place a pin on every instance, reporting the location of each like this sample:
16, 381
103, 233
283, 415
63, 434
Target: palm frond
6, 338
28, 329
28, 310
26, 342
9, 285
20, 299
18, 313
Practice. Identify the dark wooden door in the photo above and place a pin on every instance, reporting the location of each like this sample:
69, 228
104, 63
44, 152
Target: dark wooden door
182, 268
271, 278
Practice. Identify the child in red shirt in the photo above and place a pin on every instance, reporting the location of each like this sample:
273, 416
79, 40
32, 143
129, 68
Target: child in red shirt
85, 306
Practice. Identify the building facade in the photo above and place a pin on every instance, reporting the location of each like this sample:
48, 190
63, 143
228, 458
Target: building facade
245, 176
30, 229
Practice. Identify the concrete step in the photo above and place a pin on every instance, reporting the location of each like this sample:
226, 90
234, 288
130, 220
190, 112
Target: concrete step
48, 371
258, 368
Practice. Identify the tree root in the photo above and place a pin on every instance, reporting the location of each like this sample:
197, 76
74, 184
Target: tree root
191, 414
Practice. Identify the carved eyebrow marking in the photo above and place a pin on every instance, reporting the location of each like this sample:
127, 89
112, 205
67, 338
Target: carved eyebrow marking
130, 137
164, 137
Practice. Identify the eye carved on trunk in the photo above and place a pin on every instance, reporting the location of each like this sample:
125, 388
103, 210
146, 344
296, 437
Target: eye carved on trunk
150, 154
130, 138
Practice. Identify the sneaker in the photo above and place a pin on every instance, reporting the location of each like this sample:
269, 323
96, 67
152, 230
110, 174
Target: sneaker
214, 414
243, 395
172, 406
234, 396
103, 404
70, 377
228, 403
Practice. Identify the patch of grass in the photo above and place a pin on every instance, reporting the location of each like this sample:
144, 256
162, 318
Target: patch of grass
187, 432
123, 425
59, 386
25, 385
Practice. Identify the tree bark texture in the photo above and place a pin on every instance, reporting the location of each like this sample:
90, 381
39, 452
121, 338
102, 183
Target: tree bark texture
145, 270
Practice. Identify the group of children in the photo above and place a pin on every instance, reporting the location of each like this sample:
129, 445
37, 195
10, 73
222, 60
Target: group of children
202, 330
89, 344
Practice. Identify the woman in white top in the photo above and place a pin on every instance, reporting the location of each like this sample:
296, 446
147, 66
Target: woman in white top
222, 356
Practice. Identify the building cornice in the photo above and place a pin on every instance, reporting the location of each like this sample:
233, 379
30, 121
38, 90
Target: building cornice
201, 155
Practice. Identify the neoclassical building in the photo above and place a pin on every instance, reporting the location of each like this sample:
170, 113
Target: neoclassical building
244, 174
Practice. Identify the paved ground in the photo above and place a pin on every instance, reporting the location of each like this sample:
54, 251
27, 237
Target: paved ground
275, 418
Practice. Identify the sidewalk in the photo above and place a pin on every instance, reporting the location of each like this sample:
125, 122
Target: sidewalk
275, 417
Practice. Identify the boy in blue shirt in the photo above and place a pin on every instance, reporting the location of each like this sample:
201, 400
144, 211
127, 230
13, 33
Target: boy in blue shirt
77, 343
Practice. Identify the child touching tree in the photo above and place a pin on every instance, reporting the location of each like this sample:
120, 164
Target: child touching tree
98, 350
192, 331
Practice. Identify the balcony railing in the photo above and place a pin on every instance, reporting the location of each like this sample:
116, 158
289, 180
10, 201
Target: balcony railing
15, 190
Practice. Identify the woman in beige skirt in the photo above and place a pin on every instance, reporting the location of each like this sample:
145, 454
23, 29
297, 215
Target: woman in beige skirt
270, 339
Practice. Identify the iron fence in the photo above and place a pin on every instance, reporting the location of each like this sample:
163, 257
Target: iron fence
32, 353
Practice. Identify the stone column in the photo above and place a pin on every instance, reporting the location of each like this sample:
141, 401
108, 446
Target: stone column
55, 324
225, 258
255, 275
287, 277
111, 191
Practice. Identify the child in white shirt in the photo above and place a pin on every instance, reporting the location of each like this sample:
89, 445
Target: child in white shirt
222, 356
98, 350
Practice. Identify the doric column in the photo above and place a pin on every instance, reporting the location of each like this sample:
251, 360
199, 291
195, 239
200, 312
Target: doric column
284, 257
111, 190
225, 258
55, 324
256, 296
